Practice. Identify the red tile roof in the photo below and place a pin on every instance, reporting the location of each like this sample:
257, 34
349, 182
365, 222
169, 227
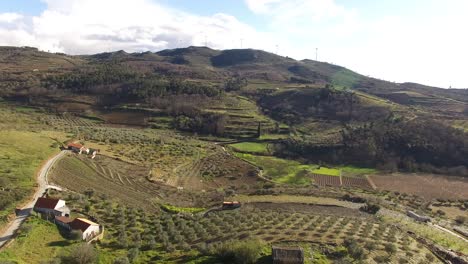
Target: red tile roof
81, 224
47, 203
63, 219
75, 145
234, 202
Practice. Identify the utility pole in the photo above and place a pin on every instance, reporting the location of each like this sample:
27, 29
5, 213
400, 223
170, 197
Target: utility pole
276, 49
241, 40
206, 41
316, 54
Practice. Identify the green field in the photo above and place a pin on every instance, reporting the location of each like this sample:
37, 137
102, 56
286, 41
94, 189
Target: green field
21, 155
251, 147
42, 242
176, 209
286, 171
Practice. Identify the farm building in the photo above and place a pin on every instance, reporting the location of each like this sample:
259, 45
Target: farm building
78, 148
89, 228
231, 205
51, 206
287, 255
420, 218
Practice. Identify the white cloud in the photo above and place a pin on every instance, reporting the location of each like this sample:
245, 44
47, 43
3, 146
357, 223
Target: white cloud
91, 26
10, 17
420, 43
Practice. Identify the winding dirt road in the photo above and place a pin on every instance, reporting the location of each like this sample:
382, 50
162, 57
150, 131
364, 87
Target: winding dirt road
43, 185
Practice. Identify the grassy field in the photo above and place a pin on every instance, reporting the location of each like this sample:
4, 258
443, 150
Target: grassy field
251, 147
176, 209
21, 154
42, 242
287, 171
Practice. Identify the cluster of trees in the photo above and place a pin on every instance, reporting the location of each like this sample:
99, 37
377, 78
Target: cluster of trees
188, 115
294, 106
235, 83
392, 144
205, 123
111, 79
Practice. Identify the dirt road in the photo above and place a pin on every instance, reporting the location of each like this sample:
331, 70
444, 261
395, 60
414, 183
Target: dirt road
26, 210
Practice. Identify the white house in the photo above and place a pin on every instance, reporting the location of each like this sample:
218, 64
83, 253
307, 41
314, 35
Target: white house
50, 206
89, 228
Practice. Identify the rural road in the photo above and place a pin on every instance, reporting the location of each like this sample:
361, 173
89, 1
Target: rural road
26, 210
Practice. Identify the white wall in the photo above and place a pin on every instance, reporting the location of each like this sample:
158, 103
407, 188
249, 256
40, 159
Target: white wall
90, 230
61, 203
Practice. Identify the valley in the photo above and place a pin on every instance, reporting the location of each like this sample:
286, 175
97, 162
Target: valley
317, 156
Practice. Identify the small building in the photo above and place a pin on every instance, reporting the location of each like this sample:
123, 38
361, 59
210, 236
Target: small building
50, 206
287, 255
231, 205
89, 228
78, 148
420, 218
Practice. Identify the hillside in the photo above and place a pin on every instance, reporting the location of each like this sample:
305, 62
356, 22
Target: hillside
209, 156
240, 94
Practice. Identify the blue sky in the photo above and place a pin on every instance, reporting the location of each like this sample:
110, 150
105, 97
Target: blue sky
419, 41
30, 7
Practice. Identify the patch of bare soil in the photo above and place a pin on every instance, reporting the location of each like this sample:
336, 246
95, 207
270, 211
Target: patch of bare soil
428, 186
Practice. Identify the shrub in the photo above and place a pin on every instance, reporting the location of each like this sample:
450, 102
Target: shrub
81, 254
390, 248
240, 252
370, 208
354, 249
121, 260
76, 235
460, 220
133, 254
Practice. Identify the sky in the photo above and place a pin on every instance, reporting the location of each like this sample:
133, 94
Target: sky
423, 41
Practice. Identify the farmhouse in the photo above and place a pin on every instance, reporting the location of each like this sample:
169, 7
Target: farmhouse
51, 206
287, 255
78, 148
87, 227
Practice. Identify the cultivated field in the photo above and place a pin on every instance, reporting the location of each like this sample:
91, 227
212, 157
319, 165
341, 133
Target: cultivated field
182, 237
119, 180
218, 170
424, 185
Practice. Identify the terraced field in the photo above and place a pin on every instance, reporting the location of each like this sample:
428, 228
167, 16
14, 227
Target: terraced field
123, 181
61, 121
218, 170
244, 118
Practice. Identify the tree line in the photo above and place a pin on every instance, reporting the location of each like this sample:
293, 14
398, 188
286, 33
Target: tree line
392, 144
